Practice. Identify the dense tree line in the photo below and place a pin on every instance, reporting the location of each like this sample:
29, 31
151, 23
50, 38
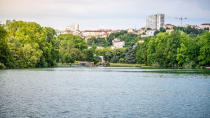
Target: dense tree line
4, 49
175, 49
193, 32
122, 55
71, 48
74, 48
160, 30
28, 45
93, 41
129, 38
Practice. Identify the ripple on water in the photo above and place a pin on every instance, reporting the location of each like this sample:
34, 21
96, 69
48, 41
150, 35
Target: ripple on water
104, 92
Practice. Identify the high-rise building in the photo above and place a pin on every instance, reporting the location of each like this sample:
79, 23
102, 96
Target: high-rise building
155, 21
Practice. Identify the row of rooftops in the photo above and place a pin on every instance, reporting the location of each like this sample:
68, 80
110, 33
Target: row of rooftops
102, 33
105, 32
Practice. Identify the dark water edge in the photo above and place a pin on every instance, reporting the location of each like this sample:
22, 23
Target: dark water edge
182, 71
125, 69
152, 69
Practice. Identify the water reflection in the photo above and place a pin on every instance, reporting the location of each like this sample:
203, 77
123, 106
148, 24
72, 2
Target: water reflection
128, 69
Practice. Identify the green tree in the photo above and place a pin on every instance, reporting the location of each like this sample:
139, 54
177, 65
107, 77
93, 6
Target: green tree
98, 42
188, 52
129, 38
50, 48
204, 43
89, 55
130, 55
141, 53
31, 45
4, 50
71, 48
23, 42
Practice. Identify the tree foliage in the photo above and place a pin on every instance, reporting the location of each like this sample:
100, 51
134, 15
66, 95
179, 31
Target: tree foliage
98, 42
4, 49
71, 48
129, 38
175, 49
28, 45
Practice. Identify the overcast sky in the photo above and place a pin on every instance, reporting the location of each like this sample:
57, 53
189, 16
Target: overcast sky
101, 14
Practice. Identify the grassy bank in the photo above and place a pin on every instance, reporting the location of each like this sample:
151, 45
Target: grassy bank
133, 65
63, 65
111, 65
125, 65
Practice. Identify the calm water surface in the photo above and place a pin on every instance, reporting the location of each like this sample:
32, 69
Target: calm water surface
104, 93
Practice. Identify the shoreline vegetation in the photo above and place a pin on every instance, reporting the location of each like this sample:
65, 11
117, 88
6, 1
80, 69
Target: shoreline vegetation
29, 45
143, 66
127, 65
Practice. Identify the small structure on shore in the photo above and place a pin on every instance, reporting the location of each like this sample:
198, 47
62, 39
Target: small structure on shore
86, 63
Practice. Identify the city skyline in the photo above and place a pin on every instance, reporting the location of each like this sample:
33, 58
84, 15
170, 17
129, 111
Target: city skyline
103, 14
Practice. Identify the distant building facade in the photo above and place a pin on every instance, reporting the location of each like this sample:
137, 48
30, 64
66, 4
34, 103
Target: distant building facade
149, 33
73, 27
205, 25
96, 33
155, 21
168, 26
130, 30
58, 32
117, 43
86, 34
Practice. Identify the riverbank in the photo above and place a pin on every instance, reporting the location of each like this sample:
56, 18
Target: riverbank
63, 65
125, 65
143, 66
129, 65
110, 65
148, 67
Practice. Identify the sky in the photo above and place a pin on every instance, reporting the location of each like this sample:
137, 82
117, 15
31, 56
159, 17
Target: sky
103, 14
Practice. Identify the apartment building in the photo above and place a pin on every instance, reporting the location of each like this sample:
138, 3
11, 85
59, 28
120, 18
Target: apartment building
155, 21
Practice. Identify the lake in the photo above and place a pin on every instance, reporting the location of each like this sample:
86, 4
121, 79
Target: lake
104, 92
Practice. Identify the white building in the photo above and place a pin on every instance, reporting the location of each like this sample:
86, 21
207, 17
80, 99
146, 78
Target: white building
142, 31
169, 26
205, 25
73, 27
130, 30
155, 21
96, 33
117, 43
169, 30
58, 32
141, 41
99, 47
149, 33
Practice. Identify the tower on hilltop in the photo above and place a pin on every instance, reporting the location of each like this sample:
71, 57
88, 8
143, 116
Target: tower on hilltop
155, 21
73, 27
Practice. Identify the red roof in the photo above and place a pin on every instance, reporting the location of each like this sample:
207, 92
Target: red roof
205, 24
168, 24
97, 30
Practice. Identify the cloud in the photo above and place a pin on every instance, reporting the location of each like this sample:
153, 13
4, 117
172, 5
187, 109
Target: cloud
110, 13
